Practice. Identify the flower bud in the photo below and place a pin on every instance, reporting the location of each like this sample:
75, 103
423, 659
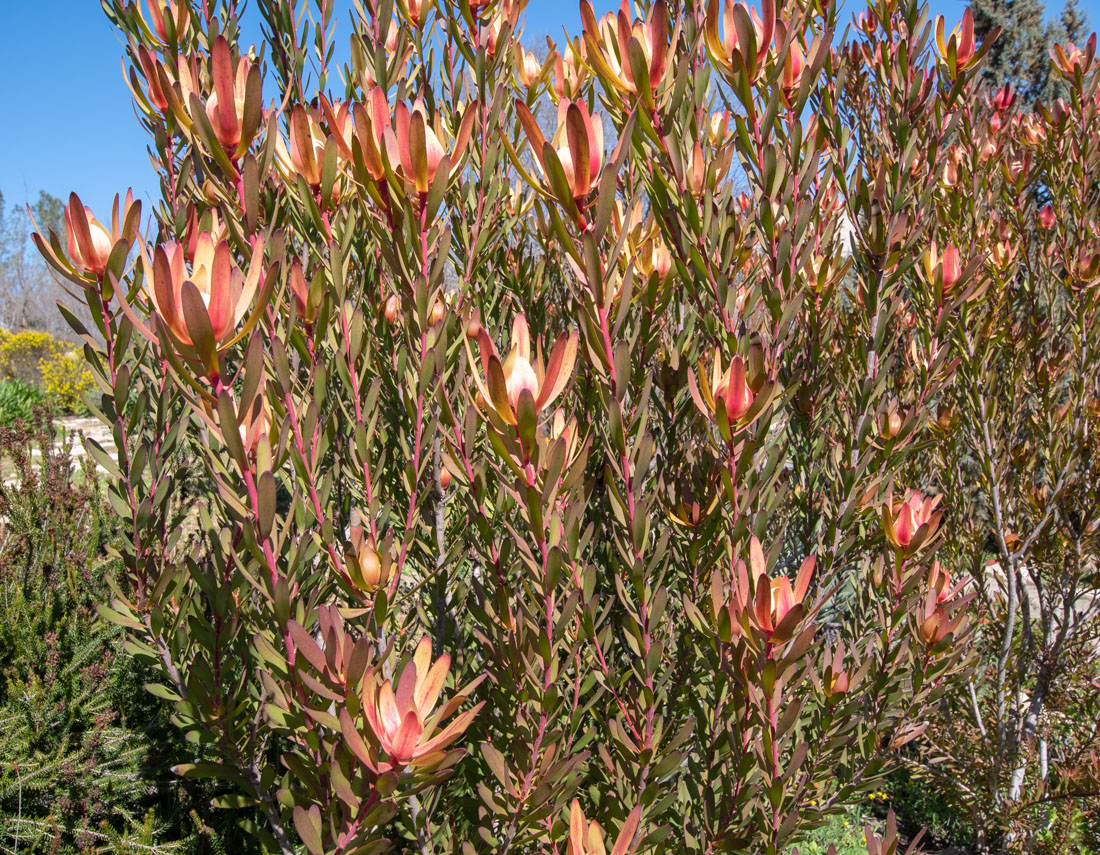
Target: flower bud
1005, 98
392, 311
255, 423
960, 45
299, 290
528, 67
837, 684
473, 325
904, 521
944, 416
890, 423
169, 13
368, 569
945, 269
932, 628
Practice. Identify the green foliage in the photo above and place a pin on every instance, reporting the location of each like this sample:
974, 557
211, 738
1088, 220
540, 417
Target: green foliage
85, 752
844, 832
18, 400
922, 803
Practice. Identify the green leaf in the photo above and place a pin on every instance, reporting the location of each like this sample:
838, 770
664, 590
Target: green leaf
308, 824
199, 328
265, 498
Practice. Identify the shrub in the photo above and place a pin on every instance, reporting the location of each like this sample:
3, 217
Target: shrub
543, 479
843, 833
66, 380
18, 400
84, 759
22, 354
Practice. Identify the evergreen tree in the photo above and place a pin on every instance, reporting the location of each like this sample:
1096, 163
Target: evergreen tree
1021, 54
1075, 23
49, 213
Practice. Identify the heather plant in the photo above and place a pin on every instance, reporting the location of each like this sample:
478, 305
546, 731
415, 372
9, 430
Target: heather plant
85, 759
564, 475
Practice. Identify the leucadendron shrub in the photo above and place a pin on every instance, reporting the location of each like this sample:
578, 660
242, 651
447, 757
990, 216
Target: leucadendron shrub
563, 424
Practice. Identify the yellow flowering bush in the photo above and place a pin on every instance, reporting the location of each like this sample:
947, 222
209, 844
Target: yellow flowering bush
22, 353
65, 380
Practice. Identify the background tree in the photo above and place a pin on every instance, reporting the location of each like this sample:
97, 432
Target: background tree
28, 291
1021, 54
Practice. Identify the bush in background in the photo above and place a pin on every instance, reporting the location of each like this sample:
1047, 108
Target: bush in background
35, 360
22, 354
85, 758
18, 400
65, 381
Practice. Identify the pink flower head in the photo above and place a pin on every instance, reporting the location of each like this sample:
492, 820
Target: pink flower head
405, 720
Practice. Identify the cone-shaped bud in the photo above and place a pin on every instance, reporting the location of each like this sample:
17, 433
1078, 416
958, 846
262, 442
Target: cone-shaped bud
439, 309
367, 567
890, 422
392, 310
944, 416
473, 324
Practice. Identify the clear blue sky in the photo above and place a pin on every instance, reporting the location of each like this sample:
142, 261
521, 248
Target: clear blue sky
67, 116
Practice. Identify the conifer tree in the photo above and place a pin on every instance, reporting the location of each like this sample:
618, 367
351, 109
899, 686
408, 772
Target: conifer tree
1021, 55
1074, 23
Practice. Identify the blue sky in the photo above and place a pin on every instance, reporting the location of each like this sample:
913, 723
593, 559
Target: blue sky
68, 120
